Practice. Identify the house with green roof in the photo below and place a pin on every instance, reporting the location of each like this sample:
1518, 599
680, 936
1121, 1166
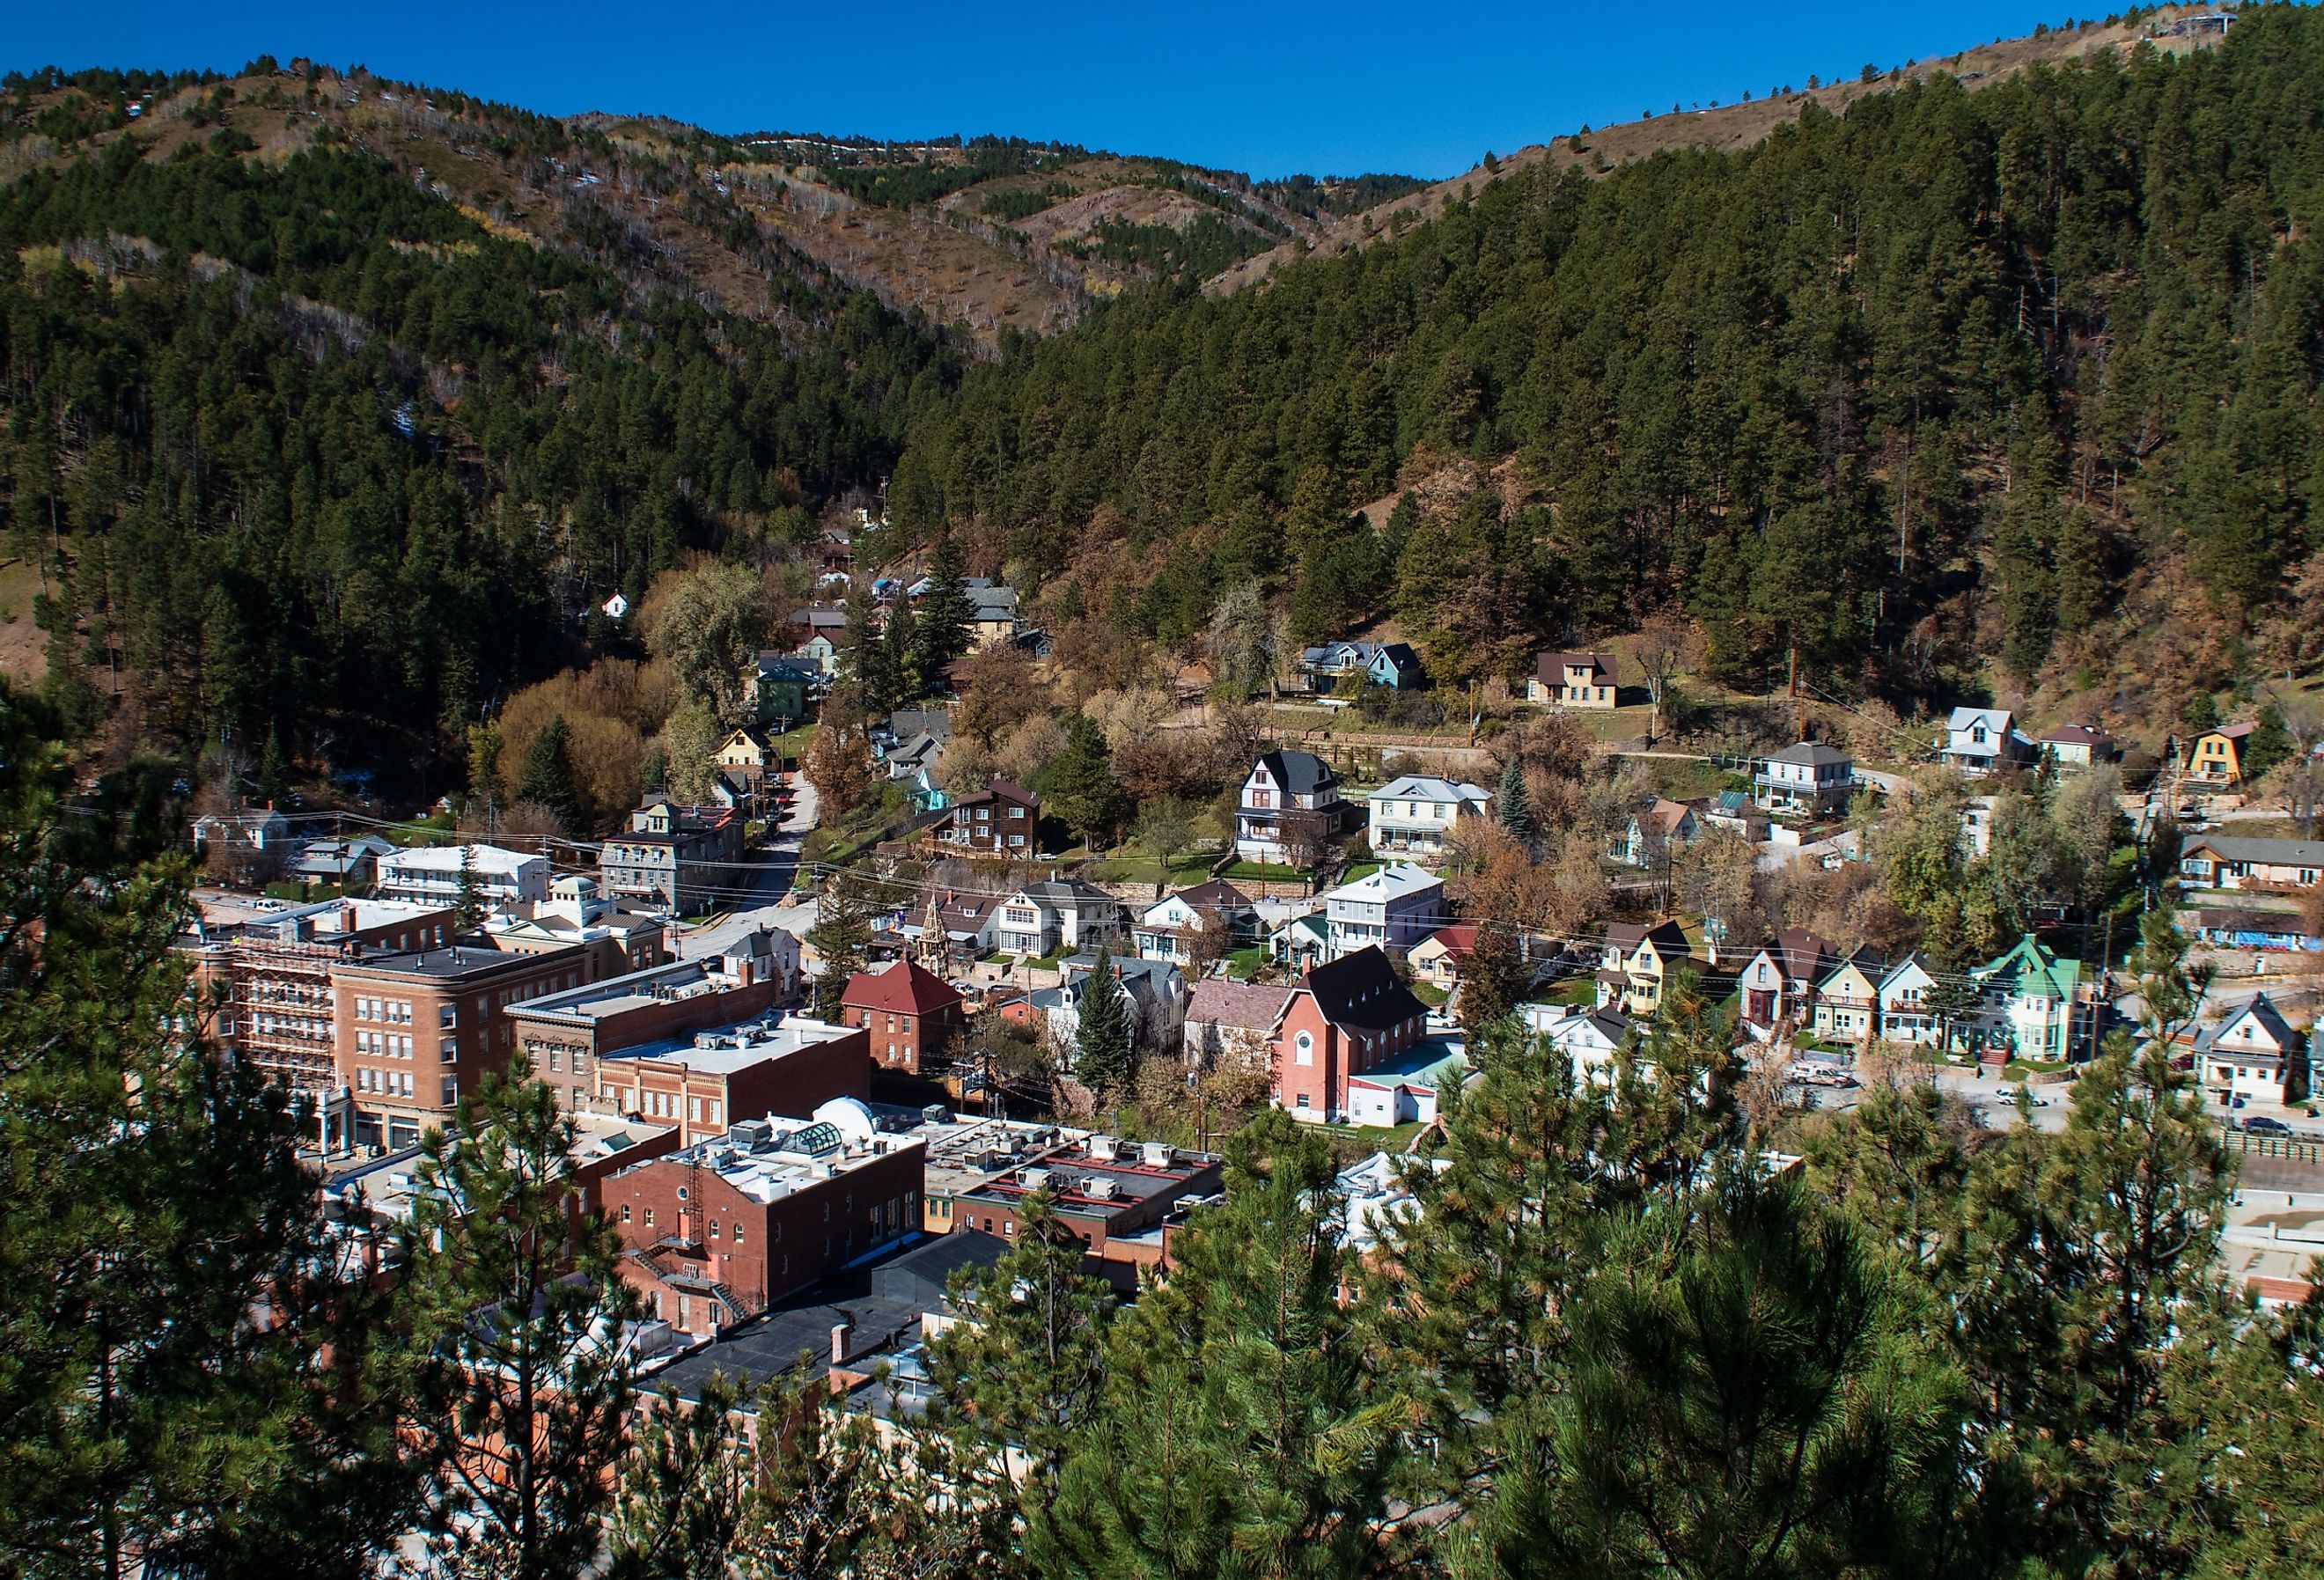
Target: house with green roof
2035, 1002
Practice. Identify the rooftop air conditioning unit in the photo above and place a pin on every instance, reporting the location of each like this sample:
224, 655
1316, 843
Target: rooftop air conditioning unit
1157, 1154
936, 1113
1035, 1178
1100, 1189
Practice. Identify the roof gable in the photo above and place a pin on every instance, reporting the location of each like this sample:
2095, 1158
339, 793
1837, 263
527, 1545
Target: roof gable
1360, 992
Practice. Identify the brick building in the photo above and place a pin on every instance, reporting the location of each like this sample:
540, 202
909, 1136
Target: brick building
914, 1018
790, 1067
412, 1027
1115, 1194
1000, 819
1347, 1016
568, 1034
721, 1230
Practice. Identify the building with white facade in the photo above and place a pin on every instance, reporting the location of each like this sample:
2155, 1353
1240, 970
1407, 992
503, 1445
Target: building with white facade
430, 875
1392, 909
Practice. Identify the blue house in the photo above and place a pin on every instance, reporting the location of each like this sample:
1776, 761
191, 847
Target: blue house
1395, 664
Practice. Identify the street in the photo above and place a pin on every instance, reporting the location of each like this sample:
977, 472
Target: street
763, 887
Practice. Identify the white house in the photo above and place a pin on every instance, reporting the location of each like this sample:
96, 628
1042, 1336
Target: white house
1979, 741
1590, 1037
2246, 1054
1392, 909
1904, 1013
430, 875
1198, 923
1413, 815
1290, 806
1848, 999
615, 607
1041, 919
1153, 991
1809, 777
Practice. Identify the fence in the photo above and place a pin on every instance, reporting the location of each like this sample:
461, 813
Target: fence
2243, 1142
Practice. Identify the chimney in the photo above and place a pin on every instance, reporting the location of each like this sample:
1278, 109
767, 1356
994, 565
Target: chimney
839, 1332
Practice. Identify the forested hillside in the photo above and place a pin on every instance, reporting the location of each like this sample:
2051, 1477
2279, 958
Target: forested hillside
1961, 389
316, 455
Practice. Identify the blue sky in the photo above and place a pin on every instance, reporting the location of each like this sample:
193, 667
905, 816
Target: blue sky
1270, 89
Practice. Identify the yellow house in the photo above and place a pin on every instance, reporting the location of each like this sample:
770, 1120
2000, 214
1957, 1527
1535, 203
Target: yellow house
1848, 1000
1637, 962
2219, 754
744, 758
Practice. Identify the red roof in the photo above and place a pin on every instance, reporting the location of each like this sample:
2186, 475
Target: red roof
1459, 940
903, 988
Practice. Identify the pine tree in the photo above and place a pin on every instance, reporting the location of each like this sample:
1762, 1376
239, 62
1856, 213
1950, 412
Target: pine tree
153, 1416
519, 1418
1512, 807
1494, 978
1024, 1366
275, 764
1103, 1058
841, 939
1740, 1400
687, 1489
944, 613
548, 777
1238, 1432
469, 904
2269, 743
900, 653
1082, 789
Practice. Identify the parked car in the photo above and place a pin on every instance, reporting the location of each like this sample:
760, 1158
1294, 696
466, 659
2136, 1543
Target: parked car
2259, 1124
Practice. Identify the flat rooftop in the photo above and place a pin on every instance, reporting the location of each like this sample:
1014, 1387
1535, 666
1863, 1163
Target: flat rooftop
769, 1159
1099, 1173
736, 1048
454, 962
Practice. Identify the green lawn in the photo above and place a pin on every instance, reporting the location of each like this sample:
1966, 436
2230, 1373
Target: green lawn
1264, 872
1373, 1137
1243, 964
1429, 993
1133, 864
1579, 992
1361, 869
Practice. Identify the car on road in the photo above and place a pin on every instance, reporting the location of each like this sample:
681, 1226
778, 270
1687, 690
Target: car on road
2259, 1124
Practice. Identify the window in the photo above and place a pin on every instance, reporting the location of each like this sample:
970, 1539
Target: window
1302, 1099
714, 1111
649, 1217
694, 1105
625, 1212
448, 1016
1303, 1050
451, 1090
681, 1193
738, 1231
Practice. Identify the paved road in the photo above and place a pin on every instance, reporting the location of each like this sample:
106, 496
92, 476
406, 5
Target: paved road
766, 882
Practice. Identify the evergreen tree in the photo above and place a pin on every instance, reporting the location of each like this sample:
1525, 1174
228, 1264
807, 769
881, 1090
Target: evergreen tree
468, 904
522, 1384
841, 939
275, 765
548, 777
2085, 1253
2269, 743
1512, 807
1742, 1401
1238, 1432
944, 613
1083, 789
1023, 1365
900, 653
687, 1489
154, 1414
1102, 1055
1494, 978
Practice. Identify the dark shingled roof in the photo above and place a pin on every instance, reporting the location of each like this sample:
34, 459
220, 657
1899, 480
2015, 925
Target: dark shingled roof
1361, 991
1298, 773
